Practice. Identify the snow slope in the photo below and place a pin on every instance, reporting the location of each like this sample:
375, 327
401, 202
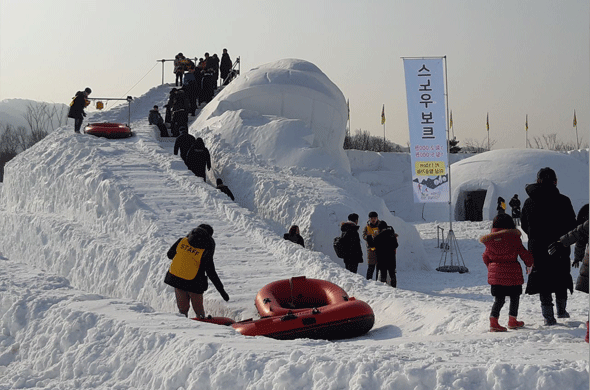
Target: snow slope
86, 223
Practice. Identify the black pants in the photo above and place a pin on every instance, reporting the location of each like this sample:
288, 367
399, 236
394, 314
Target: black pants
179, 77
78, 124
499, 301
547, 298
163, 129
371, 270
352, 267
383, 270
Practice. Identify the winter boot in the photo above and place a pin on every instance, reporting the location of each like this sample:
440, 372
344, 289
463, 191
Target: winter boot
547, 311
513, 323
561, 303
495, 327
586, 331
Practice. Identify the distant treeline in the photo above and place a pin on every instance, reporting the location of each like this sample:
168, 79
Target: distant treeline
41, 119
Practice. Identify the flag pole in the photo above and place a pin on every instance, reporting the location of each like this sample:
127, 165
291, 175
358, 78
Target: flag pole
488, 128
383, 123
576, 126
526, 131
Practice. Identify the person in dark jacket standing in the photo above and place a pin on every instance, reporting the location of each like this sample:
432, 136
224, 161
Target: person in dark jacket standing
294, 236
579, 236
225, 189
192, 264
386, 247
546, 216
501, 207
77, 108
180, 109
503, 246
183, 143
515, 208
351, 243
154, 118
224, 67
198, 158
369, 232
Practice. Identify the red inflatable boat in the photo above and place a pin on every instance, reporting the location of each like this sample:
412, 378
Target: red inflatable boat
307, 308
108, 130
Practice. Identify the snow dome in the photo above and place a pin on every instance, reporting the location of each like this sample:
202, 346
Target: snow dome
486, 176
288, 102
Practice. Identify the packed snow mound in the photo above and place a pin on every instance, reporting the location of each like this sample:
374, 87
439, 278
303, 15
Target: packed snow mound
506, 172
287, 102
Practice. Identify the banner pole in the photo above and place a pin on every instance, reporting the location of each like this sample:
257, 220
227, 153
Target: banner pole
448, 148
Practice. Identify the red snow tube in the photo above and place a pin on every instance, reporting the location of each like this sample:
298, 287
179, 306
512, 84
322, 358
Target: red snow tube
307, 308
108, 130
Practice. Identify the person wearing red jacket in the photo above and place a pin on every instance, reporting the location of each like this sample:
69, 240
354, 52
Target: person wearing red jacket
503, 246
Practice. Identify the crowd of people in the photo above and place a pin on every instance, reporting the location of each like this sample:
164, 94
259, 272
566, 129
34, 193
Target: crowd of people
550, 222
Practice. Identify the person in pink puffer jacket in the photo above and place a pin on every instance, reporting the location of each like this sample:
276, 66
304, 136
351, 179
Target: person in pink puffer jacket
503, 246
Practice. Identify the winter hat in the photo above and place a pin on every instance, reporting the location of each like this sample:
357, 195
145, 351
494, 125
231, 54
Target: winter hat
503, 221
353, 217
546, 175
373, 214
219, 182
156, 107
206, 228
88, 90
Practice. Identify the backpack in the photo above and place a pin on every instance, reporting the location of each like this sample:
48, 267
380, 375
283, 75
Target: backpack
339, 247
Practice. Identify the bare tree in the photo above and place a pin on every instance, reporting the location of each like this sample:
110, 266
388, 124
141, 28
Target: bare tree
551, 142
363, 140
475, 146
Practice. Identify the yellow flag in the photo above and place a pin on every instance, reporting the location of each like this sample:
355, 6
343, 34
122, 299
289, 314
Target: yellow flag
383, 115
488, 121
575, 121
526, 124
451, 120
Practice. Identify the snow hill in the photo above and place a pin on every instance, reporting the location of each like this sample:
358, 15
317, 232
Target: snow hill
86, 223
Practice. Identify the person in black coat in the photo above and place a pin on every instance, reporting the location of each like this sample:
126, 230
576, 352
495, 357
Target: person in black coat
154, 118
294, 236
515, 208
183, 143
351, 243
180, 109
192, 264
386, 247
224, 67
215, 68
546, 216
77, 108
225, 189
198, 158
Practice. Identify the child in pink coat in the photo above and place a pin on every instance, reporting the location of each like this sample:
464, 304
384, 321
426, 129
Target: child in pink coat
503, 246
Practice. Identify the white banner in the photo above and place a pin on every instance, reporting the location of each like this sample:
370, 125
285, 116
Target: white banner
425, 88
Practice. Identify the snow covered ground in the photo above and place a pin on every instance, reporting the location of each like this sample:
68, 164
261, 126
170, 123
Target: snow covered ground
86, 223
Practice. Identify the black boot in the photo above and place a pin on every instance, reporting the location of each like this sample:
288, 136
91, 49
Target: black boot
561, 303
547, 311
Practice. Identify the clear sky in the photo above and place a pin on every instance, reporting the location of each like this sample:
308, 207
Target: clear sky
504, 57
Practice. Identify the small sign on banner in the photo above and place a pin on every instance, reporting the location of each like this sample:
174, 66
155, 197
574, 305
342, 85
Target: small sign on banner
425, 91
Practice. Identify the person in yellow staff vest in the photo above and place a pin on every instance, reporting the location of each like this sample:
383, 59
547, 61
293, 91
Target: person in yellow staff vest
369, 232
192, 264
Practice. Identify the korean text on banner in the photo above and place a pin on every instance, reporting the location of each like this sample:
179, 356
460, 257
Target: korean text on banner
427, 121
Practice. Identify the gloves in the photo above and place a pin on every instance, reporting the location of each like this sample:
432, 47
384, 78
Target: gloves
555, 247
224, 296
